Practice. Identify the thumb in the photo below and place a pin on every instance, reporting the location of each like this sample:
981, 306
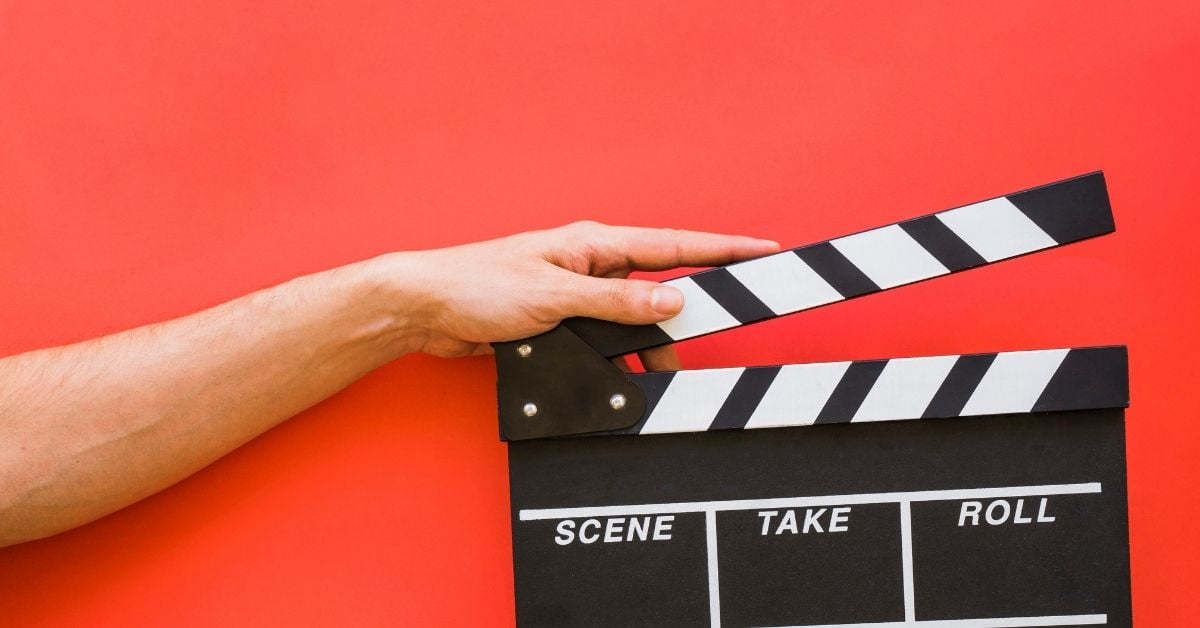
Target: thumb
628, 301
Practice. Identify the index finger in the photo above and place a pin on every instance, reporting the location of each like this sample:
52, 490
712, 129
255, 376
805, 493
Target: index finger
640, 248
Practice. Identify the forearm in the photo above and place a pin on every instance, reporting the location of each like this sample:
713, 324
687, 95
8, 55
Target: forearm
89, 428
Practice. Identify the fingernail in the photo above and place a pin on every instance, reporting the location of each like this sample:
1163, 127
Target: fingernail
666, 300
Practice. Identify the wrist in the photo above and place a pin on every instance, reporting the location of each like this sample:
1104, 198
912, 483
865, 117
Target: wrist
392, 284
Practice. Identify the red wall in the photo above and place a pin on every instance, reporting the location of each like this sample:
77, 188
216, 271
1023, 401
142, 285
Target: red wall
160, 157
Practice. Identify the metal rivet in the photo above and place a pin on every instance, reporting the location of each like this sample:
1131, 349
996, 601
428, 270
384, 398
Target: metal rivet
530, 409
617, 401
524, 350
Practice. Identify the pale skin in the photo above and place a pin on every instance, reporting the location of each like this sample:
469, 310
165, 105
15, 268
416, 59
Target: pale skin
89, 428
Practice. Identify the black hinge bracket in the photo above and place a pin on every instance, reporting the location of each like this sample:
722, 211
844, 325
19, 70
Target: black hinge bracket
555, 384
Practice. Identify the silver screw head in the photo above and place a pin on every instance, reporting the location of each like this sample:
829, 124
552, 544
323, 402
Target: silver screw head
524, 350
530, 409
617, 401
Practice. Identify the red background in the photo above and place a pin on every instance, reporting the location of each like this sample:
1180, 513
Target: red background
158, 158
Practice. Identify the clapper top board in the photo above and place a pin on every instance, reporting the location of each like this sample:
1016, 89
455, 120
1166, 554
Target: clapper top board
984, 489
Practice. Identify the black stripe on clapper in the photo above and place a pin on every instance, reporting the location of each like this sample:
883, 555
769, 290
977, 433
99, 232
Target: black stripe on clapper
732, 295
654, 385
850, 392
962, 380
1069, 210
943, 244
744, 398
836, 270
1094, 377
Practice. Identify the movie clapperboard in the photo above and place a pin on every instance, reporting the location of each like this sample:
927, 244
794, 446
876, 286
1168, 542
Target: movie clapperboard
983, 489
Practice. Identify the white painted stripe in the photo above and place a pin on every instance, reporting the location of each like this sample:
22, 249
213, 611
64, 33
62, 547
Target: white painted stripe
539, 514
906, 562
996, 229
797, 394
714, 587
1014, 382
700, 315
784, 283
691, 401
889, 256
905, 388
982, 622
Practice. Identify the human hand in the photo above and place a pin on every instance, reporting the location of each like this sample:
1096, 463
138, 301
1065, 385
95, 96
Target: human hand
457, 300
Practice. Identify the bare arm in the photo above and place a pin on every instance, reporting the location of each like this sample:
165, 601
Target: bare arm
92, 427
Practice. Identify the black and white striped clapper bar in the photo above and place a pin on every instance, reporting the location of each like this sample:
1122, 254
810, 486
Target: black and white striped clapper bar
654, 499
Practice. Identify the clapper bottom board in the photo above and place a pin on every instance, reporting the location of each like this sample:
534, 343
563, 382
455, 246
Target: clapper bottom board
941, 491
1003, 520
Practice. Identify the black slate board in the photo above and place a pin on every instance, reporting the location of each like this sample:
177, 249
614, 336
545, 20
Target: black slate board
1070, 570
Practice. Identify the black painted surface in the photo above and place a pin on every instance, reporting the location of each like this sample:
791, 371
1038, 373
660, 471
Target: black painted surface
1016, 569
641, 583
809, 572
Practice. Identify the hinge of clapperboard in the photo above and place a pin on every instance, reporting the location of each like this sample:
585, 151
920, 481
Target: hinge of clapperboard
563, 383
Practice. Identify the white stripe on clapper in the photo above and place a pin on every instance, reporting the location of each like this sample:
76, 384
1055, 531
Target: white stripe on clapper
714, 586
541, 514
906, 561
889, 256
784, 283
996, 229
691, 401
905, 388
701, 313
1014, 381
980, 622
797, 394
